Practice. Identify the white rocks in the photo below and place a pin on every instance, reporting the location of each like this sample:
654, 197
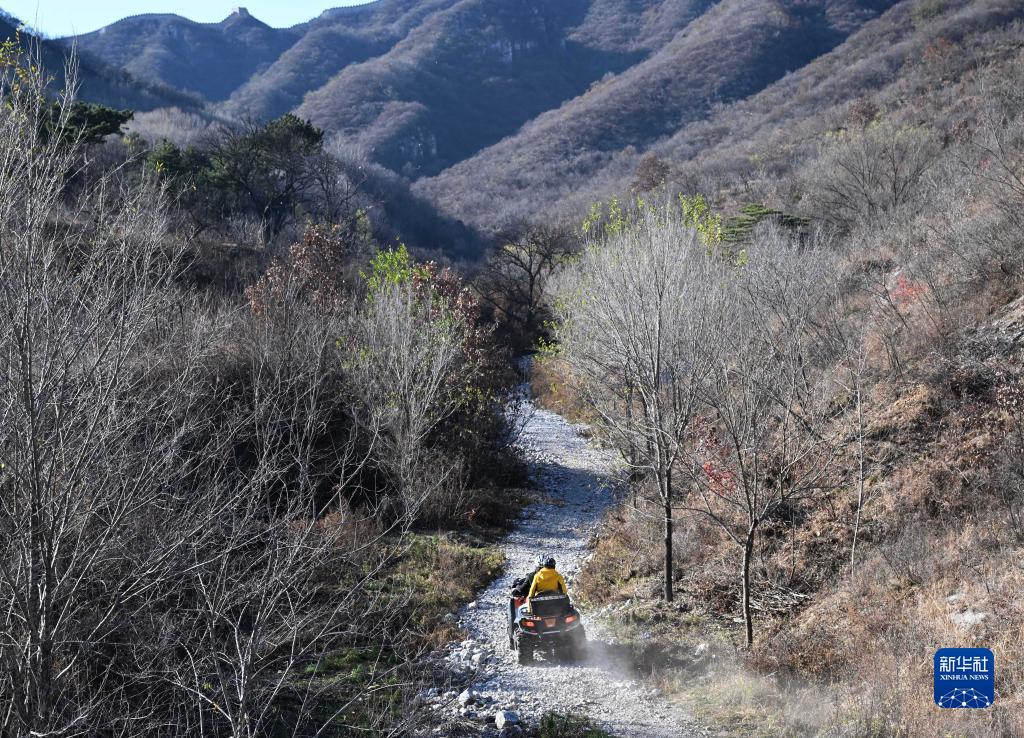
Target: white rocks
968, 619
505, 717
468, 696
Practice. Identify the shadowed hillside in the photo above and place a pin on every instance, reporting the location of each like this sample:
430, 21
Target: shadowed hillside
684, 82
209, 59
98, 82
465, 79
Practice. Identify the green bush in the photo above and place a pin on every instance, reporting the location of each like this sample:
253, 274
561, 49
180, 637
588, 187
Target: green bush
555, 725
740, 228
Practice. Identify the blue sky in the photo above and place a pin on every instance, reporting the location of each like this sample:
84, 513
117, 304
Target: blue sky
69, 17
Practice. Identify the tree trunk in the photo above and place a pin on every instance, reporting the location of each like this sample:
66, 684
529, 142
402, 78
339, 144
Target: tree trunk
748, 555
860, 479
668, 550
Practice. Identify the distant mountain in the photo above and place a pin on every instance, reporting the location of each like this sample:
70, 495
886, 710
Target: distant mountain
418, 84
467, 77
734, 50
328, 44
210, 59
502, 109
422, 85
590, 148
98, 81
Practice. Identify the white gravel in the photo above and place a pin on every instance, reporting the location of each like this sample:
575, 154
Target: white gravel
570, 474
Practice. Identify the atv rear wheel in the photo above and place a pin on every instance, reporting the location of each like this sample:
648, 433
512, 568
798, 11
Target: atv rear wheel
524, 649
579, 645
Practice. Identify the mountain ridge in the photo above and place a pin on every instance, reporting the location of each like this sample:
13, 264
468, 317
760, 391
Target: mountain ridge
97, 81
496, 112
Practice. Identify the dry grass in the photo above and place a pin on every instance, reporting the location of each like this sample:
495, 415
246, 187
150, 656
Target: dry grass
552, 387
857, 659
436, 575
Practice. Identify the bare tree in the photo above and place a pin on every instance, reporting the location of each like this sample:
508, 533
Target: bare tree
638, 321
761, 441
409, 363
866, 174
164, 566
999, 145
514, 282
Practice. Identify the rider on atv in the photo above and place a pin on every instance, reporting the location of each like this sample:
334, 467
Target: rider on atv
520, 589
543, 578
547, 580
542, 619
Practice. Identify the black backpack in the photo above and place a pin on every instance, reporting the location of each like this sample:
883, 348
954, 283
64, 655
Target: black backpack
521, 586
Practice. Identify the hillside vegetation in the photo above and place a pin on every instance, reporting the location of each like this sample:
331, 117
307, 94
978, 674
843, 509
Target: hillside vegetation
720, 146
817, 402
464, 79
566, 149
228, 494
502, 102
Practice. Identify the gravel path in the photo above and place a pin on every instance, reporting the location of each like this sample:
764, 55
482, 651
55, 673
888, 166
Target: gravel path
570, 473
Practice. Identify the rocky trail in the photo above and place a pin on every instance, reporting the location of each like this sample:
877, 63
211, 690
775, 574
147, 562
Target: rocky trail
500, 695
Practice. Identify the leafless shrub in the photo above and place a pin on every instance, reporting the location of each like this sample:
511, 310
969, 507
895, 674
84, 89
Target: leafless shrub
862, 176
171, 124
639, 319
406, 363
999, 144
163, 564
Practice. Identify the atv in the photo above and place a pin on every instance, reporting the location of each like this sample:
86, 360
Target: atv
547, 624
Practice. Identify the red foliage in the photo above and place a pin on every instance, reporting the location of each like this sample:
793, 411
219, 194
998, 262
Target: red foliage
447, 295
907, 292
313, 270
714, 455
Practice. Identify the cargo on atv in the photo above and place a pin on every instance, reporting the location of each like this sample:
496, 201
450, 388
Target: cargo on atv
547, 625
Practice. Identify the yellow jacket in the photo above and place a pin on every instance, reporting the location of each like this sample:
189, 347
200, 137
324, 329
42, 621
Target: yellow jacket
547, 580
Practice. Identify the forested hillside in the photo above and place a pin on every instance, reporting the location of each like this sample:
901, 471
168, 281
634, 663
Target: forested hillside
572, 147
546, 94
209, 60
769, 130
98, 81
